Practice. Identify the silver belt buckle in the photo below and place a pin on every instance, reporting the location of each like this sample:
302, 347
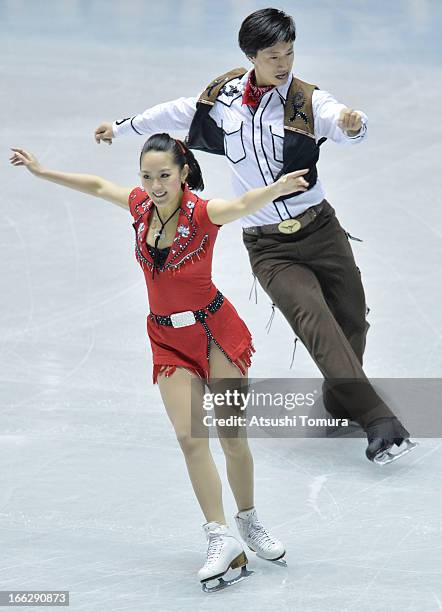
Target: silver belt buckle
183, 319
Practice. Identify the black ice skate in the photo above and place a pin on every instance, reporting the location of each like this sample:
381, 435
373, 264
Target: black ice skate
382, 435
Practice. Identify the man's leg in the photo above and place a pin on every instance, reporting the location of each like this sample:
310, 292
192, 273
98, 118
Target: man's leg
331, 258
296, 291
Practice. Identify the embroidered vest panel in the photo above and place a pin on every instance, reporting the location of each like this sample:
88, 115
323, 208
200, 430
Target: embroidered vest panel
300, 149
204, 134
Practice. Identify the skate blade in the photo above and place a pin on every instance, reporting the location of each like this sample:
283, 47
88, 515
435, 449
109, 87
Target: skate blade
387, 457
222, 584
280, 561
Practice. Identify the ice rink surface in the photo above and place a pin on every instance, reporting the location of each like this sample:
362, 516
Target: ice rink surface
94, 496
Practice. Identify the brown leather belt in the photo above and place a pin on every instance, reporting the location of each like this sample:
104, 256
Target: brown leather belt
288, 226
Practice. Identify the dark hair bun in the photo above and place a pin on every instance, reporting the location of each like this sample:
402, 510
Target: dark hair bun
181, 154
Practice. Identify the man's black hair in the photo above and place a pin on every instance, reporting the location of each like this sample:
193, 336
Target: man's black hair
265, 28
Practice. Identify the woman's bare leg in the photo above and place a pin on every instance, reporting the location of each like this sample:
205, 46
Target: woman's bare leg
239, 461
176, 394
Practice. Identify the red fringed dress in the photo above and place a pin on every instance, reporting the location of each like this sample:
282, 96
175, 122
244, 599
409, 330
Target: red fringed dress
184, 282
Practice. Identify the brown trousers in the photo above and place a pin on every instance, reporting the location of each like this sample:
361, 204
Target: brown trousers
311, 276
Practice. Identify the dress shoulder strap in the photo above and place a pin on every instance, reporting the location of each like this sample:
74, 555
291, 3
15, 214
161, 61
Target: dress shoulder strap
137, 197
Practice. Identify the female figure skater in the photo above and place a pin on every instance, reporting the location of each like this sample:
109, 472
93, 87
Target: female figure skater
194, 331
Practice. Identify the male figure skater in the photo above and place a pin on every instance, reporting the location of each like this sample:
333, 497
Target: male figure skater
267, 123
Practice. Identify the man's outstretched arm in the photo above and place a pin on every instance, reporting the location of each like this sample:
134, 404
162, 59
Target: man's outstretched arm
174, 115
336, 121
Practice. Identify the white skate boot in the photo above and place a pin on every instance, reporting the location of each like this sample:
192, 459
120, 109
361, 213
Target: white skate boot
224, 552
258, 539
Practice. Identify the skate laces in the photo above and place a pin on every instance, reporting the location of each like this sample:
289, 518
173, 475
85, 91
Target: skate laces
214, 549
260, 535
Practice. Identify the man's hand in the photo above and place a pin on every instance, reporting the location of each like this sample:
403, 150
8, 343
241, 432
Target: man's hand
104, 133
350, 121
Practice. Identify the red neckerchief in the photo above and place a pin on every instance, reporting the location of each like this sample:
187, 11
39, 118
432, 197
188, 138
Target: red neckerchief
252, 93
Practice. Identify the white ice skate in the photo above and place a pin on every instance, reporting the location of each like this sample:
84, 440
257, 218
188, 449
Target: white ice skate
224, 552
258, 539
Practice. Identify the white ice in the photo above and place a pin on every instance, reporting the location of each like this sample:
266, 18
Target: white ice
94, 496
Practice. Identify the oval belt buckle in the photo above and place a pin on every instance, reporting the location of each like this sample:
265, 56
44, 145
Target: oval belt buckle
289, 226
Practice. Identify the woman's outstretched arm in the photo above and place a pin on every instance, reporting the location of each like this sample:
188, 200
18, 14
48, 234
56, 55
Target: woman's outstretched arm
87, 183
224, 211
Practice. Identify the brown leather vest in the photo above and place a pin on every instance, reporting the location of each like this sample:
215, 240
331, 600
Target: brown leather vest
300, 149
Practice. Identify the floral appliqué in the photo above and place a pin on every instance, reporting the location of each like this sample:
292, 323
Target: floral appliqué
183, 230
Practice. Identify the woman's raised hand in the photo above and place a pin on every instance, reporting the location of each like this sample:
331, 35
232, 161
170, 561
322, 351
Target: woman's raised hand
20, 157
292, 182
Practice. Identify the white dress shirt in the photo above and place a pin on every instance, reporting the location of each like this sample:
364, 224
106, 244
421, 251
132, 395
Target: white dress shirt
253, 141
